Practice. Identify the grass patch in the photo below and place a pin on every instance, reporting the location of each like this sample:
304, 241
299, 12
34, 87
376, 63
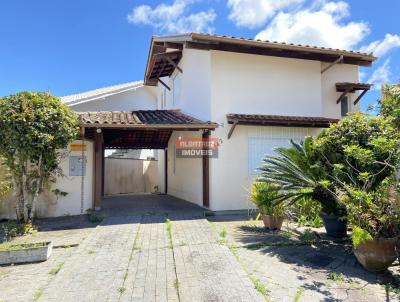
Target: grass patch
176, 284
54, 271
121, 290
168, 225
222, 236
37, 294
258, 285
336, 277
392, 289
7, 247
298, 294
95, 216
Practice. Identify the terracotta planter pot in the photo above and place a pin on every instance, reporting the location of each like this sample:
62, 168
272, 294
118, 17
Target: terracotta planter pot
376, 255
272, 222
334, 226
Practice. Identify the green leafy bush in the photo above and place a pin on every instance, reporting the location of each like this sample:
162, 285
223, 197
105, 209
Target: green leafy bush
360, 151
299, 175
34, 127
375, 212
362, 154
263, 195
359, 236
307, 212
390, 103
13, 229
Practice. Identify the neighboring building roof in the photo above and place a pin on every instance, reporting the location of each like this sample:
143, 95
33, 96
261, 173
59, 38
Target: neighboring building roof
280, 120
75, 99
142, 119
161, 45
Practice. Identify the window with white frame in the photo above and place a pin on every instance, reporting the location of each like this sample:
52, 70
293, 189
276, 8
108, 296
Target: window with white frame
263, 144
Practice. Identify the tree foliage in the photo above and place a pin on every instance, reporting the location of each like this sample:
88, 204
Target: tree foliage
34, 128
360, 151
390, 103
361, 154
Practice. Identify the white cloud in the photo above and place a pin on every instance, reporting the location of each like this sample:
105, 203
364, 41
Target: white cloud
320, 25
254, 13
173, 18
381, 47
381, 75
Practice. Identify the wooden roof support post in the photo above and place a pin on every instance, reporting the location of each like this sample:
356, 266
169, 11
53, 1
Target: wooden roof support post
342, 95
174, 64
360, 96
206, 174
337, 61
165, 85
232, 129
98, 169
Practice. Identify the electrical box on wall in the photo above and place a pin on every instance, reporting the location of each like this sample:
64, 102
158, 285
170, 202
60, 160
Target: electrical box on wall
77, 165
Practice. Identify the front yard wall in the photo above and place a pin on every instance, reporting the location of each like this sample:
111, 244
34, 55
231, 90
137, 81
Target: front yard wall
48, 205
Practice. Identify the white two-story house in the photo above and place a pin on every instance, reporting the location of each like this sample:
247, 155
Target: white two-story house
251, 95
261, 94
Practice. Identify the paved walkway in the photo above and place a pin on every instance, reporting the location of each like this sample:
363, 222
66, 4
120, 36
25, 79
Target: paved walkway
294, 270
137, 256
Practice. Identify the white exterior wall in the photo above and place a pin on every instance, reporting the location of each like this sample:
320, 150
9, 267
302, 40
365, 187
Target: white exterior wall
194, 95
48, 205
251, 84
230, 177
185, 176
141, 98
215, 83
335, 74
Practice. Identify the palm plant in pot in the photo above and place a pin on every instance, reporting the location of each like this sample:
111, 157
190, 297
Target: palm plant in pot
301, 176
362, 153
263, 195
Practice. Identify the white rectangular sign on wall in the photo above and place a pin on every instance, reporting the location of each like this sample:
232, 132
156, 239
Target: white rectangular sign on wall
77, 166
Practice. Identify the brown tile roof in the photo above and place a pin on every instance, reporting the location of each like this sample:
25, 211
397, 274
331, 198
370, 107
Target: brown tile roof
280, 120
158, 65
142, 119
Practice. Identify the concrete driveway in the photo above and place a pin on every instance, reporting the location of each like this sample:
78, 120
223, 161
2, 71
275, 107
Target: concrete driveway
148, 248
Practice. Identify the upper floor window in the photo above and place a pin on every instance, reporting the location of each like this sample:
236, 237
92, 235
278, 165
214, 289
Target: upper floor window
344, 105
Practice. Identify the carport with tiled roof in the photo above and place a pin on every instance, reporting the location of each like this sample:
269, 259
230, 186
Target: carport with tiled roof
143, 129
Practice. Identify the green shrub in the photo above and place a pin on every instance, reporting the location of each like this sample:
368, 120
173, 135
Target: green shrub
34, 128
263, 195
300, 175
13, 229
307, 212
359, 236
95, 216
360, 151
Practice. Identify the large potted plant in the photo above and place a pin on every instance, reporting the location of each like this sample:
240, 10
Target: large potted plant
300, 175
375, 217
263, 196
362, 153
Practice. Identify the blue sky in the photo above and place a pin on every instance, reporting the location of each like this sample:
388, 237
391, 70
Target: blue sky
69, 46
